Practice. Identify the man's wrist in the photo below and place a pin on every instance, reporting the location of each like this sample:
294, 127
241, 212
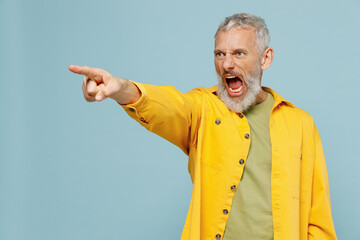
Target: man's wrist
128, 93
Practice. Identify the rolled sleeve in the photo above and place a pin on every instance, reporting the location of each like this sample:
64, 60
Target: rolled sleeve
134, 110
167, 112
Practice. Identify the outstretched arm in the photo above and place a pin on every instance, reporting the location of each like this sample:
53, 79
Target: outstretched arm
99, 84
162, 110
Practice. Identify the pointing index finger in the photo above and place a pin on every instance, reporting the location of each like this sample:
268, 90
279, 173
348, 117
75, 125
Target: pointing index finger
79, 69
83, 70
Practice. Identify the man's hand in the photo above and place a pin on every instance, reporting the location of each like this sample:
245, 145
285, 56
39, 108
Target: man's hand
99, 84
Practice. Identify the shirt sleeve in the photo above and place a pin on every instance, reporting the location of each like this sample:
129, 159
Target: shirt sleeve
167, 112
321, 224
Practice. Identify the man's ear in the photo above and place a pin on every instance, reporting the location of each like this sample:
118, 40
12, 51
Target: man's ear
267, 58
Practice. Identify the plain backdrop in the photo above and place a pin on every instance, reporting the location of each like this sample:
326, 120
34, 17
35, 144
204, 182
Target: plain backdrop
76, 170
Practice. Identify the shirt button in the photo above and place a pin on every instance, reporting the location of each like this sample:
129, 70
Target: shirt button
217, 121
225, 211
241, 115
132, 110
242, 161
247, 136
233, 187
218, 236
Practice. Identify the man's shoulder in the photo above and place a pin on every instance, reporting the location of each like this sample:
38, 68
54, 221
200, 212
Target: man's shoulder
205, 93
205, 90
290, 108
303, 115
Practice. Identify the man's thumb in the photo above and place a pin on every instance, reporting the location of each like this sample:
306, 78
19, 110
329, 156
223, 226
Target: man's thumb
104, 92
100, 96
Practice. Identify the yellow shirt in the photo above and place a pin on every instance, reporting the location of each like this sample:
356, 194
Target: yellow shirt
203, 127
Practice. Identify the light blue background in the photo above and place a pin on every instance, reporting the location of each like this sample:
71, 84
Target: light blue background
76, 170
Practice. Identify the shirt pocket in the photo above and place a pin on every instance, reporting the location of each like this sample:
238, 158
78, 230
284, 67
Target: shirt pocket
295, 171
216, 142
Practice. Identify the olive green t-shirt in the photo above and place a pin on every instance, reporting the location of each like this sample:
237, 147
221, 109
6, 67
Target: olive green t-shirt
250, 217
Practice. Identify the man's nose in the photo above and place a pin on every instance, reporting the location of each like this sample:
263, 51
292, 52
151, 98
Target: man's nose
228, 62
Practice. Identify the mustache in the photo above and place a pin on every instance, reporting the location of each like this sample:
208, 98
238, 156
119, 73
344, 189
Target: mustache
239, 75
232, 73
245, 78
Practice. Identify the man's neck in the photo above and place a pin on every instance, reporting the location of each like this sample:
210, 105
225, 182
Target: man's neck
261, 97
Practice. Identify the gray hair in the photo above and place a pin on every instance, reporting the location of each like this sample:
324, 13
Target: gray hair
248, 21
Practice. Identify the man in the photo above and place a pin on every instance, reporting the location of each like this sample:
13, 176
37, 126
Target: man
255, 160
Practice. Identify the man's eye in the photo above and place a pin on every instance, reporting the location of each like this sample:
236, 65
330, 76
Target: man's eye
239, 53
219, 54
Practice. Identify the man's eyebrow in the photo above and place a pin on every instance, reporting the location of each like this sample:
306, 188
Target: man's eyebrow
233, 51
240, 50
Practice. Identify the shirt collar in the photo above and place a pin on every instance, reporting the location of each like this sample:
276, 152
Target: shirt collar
278, 99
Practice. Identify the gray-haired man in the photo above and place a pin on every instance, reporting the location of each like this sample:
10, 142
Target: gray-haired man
256, 160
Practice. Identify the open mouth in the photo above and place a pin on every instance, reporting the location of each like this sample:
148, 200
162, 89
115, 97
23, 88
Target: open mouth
234, 85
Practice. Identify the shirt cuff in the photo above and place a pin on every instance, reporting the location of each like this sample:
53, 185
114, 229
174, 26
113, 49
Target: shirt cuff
134, 109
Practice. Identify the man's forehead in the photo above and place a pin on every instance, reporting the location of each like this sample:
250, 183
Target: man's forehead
237, 31
236, 35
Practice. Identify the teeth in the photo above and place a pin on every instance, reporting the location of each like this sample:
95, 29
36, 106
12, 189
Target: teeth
236, 90
230, 77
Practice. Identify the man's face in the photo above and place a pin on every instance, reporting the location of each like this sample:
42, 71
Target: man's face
238, 67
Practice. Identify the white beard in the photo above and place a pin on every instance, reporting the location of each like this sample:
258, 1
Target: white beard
235, 103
